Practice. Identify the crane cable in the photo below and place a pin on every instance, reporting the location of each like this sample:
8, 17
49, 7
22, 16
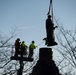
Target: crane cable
51, 8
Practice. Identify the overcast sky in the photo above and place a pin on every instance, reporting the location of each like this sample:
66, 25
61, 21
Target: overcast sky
29, 17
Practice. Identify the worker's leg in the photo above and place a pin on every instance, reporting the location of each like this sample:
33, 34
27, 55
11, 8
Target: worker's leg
30, 53
16, 52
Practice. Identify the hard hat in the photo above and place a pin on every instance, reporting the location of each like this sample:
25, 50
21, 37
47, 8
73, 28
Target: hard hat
18, 38
23, 41
33, 41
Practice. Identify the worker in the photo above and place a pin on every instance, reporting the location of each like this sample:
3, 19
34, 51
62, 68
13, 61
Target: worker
23, 48
17, 46
50, 31
31, 48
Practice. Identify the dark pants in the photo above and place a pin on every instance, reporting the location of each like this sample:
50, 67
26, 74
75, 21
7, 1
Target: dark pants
30, 53
16, 51
23, 51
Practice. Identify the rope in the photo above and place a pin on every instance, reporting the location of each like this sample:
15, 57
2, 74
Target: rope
40, 43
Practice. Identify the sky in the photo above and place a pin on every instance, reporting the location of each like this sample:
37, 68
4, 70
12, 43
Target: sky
29, 17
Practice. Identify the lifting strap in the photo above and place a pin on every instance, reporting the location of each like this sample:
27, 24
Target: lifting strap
51, 8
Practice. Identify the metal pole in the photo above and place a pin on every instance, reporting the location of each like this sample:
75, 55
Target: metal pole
20, 70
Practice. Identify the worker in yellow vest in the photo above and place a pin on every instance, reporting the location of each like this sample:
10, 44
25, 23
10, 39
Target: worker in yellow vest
23, 48
31, 48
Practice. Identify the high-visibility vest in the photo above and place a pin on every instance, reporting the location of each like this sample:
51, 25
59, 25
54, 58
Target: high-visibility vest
32, 46
23, 45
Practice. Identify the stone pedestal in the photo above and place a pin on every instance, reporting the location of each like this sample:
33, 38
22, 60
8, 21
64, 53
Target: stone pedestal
45, 65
